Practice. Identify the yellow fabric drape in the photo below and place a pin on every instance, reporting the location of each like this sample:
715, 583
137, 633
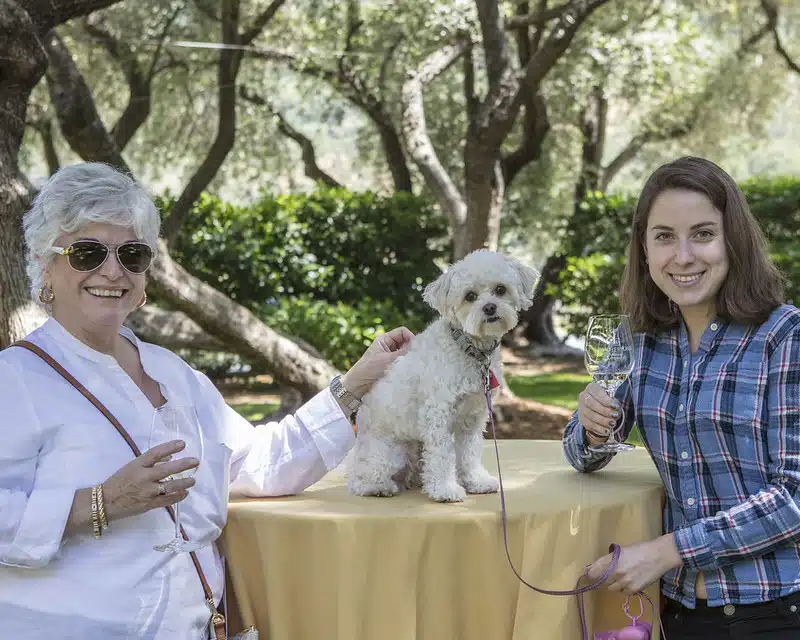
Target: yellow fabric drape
326, 565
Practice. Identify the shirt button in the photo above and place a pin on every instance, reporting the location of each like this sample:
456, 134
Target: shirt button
685, 363
714, 327
793, 608
680, 407
728, 609
684, 455
690, 501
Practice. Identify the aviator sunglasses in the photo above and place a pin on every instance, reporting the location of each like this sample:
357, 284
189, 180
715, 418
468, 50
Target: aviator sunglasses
88, 255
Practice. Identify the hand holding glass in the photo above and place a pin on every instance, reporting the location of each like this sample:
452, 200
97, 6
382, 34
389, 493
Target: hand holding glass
609, 360
178, 422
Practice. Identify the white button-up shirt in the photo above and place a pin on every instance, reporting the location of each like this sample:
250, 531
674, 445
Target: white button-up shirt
53, 442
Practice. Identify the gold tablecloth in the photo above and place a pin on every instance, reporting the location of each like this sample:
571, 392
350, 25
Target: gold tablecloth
326, 565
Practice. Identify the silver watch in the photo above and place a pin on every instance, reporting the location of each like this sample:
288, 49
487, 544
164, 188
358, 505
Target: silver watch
350, 402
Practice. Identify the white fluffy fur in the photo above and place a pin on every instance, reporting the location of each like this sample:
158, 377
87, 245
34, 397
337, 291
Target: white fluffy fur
423, 421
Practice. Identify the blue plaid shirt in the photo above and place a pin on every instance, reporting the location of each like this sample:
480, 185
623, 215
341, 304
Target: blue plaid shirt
723, 428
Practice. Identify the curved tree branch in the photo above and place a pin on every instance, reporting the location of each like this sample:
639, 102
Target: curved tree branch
139, 81
228, 70
770, 8
47, 14
535, 127
49, 147
387, 60
77, 114
535, 122
416, 133
358, 95
688, 124
495, 46
570, 19
312, 169
261, 21
538, 18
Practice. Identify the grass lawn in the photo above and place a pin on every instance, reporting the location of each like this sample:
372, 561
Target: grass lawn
560, 389
255, 412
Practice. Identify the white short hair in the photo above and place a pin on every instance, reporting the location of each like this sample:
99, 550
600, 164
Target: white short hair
77, 196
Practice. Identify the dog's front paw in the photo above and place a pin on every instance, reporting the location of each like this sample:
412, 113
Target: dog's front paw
385, 489
451, 492
481, 484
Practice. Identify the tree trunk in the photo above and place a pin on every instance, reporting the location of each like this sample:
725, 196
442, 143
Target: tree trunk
18, 314
22, 64
484, 195
395, 156
175, 330
537, 321
237, 328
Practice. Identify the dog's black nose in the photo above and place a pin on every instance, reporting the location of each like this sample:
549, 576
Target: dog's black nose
490, 308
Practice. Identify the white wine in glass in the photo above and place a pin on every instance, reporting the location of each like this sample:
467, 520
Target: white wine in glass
609, 360
178, 422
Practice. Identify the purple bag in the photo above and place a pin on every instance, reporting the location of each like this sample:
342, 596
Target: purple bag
638, 629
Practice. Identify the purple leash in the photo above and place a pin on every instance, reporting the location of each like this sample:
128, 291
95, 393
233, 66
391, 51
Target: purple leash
579, 590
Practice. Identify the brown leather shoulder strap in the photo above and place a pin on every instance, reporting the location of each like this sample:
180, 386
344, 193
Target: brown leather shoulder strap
86, 393
217, 619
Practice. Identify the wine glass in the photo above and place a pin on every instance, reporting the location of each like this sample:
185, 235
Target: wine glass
609, 360
178, 422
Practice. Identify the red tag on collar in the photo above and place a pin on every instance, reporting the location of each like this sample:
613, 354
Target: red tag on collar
493, 383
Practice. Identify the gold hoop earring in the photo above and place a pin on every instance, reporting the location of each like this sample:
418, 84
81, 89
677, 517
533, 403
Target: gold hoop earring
143, 302
46, 295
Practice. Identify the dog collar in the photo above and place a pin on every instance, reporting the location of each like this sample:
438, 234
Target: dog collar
484, 358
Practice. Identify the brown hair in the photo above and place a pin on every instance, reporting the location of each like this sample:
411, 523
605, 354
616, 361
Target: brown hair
754, 285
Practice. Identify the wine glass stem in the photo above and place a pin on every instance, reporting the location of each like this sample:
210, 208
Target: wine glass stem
620, 422
178, 521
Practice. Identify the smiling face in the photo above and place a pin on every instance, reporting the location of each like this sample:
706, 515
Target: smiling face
96, 300
483, 293
686, 252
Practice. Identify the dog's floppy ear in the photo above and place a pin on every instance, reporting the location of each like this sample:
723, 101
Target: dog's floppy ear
435, 293
528, 278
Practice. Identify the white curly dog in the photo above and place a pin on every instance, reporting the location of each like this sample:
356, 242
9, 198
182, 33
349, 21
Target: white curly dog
423, 421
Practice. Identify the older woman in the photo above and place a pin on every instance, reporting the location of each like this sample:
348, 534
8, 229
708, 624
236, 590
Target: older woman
80, 514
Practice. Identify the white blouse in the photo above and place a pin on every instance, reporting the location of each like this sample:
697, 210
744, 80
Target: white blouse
54, 442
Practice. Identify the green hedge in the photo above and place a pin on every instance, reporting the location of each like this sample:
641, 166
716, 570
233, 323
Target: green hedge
332, 267
332, 245
340, 331
596, 239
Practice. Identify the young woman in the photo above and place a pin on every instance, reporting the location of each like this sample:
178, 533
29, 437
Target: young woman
715, 393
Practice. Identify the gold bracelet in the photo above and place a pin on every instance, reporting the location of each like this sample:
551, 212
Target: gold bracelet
95, 515
101, 508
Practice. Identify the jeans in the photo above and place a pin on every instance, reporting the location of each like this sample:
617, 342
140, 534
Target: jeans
775, 620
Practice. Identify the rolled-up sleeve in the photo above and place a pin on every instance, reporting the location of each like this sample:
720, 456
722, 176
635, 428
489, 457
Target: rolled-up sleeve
32, 517
286, 457
574, 437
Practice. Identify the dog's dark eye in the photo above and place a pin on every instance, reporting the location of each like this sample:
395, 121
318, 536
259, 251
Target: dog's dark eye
500, 290
470, 297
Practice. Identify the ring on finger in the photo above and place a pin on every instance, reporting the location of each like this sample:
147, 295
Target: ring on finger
162, 488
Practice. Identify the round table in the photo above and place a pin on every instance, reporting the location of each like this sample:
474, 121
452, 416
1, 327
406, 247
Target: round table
326, 565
